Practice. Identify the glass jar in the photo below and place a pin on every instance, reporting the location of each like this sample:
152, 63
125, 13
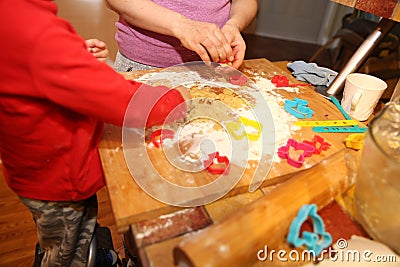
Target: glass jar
377, 189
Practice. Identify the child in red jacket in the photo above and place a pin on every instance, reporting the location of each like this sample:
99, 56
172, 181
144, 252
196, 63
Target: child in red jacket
54, 98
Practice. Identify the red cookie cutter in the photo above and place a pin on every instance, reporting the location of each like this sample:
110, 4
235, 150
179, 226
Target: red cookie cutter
158, 136
215, 158
283, 152
318, 143
283, 81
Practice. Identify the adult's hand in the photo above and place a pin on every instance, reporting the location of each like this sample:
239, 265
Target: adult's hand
206, 39
238, 45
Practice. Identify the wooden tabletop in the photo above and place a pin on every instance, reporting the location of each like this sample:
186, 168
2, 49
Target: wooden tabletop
131, 204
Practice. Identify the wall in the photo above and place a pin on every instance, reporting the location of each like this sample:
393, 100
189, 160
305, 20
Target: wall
310, 21
91, 19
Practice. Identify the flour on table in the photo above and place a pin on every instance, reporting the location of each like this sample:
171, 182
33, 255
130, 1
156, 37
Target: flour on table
283, 121
218, 137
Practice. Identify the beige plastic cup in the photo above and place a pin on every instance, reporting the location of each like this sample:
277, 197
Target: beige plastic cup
361, 94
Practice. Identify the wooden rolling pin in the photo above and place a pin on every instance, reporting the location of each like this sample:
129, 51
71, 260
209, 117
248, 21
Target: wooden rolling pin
235, 240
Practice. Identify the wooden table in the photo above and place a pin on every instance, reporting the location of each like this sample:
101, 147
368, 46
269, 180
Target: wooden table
147, 221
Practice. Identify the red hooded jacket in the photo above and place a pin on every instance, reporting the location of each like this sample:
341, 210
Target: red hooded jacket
54, 98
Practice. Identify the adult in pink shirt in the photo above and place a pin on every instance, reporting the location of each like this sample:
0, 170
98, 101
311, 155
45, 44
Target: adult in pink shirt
163, 33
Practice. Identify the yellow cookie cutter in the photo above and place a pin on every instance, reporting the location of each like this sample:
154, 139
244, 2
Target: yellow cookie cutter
355, 141
233, 127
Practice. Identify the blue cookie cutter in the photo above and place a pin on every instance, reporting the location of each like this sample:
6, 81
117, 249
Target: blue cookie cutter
339, 129
311, 240
298, 108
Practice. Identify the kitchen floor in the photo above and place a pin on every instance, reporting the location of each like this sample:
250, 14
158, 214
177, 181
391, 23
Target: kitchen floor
93, 19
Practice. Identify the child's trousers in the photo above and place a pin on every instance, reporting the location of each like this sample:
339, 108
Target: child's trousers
64, 230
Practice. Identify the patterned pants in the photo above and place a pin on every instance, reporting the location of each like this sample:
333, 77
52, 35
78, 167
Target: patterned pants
124, 64
64, 230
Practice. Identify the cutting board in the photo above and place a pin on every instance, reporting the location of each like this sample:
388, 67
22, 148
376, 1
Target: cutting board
131, 204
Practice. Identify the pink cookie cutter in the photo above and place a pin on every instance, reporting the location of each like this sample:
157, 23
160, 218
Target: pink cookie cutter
238, 80
283, 152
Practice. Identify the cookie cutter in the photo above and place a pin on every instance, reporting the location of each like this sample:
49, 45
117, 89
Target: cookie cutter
355, 141
283, 81
326, 123
311, 240
318, 143
339, 129
354, 129
158, 136
280, 80
339, 107
214, 159
233, 127
238, 80
298, 108
283, 152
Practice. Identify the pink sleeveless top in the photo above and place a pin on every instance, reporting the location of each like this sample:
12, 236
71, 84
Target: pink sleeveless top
160, 50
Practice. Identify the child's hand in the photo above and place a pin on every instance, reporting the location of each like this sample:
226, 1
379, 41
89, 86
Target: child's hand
97, 48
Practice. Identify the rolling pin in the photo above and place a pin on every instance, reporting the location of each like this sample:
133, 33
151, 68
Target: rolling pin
236, 239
